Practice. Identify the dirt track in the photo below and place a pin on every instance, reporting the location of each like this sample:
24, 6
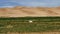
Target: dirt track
29, 11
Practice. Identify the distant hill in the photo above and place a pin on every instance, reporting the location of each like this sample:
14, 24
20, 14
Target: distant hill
20, 11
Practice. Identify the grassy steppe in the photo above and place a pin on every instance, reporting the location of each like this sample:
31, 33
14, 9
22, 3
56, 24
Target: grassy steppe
22, 24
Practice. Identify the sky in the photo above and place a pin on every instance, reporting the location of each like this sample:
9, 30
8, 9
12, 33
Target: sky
31, 3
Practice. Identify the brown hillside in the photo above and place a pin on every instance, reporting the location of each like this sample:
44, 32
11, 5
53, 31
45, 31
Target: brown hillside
29, 11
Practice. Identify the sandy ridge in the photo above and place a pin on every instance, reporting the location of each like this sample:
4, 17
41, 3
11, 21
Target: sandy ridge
29, 11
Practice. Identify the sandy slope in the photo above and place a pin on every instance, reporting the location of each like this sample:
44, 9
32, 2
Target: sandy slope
29, 11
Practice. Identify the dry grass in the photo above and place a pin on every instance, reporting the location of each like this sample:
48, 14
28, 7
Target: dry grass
33, 33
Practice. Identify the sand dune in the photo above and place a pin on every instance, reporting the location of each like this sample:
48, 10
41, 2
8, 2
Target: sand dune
19, 11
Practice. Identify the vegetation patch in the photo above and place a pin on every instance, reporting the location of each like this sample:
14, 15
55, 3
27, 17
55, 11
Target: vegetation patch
30, 24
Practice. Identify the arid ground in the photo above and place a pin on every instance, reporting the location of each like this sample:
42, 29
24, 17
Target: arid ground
14, 26
20, 11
